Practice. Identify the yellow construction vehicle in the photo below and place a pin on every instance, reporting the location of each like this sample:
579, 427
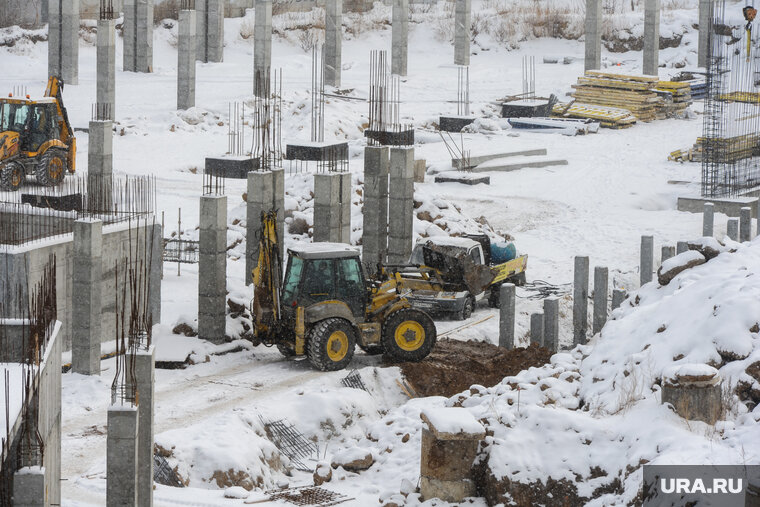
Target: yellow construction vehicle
325, 306
36, 139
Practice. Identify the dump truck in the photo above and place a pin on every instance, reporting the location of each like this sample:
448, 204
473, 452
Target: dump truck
324, 306
449, 275
36, 139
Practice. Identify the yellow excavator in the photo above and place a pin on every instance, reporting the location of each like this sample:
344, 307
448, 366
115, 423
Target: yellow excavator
36, 139
324, 306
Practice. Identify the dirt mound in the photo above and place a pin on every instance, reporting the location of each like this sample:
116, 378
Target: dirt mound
455, 365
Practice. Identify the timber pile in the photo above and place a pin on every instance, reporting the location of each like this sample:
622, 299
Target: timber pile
732, 149
608, 117
634, 93
676, 98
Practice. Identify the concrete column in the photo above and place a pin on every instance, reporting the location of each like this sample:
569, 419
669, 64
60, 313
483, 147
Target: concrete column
333, 41
212, 268
537, 328
708, 219
121, 456
666, 253
210, 30
462, 32
156, 273
651, 37
732, 228
106, 66
681, 247
507, 316
618, 296
646, 260
278, 203
29, 487
745, 224
400, 37
138, 35
262, 42
327, 207
145, 364
551, 324
100, 164
401, 205
346, 192
601, 275
705, 24
186, 60
86, 293
375, 210
259, 200
580, 300
63, 40
594, 16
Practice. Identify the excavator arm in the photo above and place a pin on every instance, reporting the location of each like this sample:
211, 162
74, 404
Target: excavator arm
267, 281
54, 89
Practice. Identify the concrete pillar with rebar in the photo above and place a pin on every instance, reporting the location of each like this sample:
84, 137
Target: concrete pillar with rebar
705, 24
106, 66
86, 291
593, 55
138, 35
375, 210
121, 455
400, 37
100, 164
507, 316
401, 205
210, 30
601, 275
266, 192
63, 40
262, 44
333, 41
651, 37
327, 207
212, 268
186, 59
646, 264
462, 32
580, 300
551, 323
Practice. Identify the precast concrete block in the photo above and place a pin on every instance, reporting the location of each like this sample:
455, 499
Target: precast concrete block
507, 316
601, 276
580, 300
646, 265
121, 456
681, 247
745, 224
732, 229
551, 324
618, 296
29, 487
666, 252
145, 367
537, 328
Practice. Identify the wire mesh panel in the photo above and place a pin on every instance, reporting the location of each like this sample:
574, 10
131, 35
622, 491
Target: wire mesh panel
164, 474
353, 380
291, 443
310, 495
181, 250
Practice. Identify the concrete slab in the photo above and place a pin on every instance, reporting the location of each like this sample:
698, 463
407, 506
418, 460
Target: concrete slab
730, 206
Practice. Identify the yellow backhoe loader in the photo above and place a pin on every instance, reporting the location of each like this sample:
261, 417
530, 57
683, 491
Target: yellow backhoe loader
36, 139
324, 306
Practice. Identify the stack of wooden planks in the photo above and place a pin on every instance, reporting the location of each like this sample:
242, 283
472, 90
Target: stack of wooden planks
608, 117
634, 93
676, 98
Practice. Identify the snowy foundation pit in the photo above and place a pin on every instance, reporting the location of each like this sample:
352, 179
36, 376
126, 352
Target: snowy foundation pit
449, 446
694, 391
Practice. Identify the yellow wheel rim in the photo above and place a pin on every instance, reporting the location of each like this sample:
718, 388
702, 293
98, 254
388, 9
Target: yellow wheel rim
337, 346
16, 177
55, 169
410, 335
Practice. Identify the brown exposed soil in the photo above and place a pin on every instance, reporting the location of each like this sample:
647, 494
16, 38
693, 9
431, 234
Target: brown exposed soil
455, 365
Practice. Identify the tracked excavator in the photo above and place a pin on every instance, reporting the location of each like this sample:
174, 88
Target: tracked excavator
324, 305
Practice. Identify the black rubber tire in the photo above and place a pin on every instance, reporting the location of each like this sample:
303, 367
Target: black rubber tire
467, 309
51, 168
396, 319
285, 350
371, 350
518, 279
494, 296
317, 342
12, 176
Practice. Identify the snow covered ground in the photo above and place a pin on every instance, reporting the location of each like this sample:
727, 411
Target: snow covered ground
617, 186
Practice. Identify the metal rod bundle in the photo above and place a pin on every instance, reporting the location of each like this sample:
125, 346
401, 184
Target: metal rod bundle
267, 120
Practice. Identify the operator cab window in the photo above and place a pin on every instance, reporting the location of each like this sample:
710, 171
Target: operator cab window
475, 255
318, 281
351, 284
292, 277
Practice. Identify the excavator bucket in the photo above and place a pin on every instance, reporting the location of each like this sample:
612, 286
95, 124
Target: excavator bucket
456, 267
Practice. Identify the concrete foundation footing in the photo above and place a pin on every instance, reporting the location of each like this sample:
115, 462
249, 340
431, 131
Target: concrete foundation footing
695, 400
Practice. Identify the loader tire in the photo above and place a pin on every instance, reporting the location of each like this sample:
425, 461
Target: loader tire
466, 311
51, 168
11, 176
330, 344
408, 335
